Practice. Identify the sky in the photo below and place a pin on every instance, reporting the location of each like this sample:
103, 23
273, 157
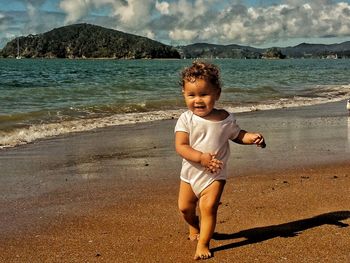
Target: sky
254, 23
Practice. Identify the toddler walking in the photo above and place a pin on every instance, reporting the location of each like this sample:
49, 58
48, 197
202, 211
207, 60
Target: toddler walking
202, 136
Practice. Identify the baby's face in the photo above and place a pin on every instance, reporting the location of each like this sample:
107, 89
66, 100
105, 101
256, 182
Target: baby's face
200, 96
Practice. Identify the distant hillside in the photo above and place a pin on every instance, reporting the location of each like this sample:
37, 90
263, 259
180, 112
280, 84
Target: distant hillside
304, 50
318, 50
204, 50
88, 41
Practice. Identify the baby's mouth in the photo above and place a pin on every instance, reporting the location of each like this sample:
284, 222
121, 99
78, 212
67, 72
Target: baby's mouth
199, 107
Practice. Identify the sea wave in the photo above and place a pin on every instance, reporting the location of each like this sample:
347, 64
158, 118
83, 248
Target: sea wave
31, 133
308, 97
34, 132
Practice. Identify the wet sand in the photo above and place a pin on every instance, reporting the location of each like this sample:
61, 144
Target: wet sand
110, 195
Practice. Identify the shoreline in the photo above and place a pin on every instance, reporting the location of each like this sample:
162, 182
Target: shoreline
111, 194
31, 133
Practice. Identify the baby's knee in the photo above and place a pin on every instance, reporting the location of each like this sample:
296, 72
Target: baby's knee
186, 208
209, 208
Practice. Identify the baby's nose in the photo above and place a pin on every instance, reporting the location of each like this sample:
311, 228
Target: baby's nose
198, 100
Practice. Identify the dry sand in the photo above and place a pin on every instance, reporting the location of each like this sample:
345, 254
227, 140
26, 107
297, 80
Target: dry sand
111, 195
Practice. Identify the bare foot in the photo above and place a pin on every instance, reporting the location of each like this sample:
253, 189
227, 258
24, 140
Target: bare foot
193, 237
202, 252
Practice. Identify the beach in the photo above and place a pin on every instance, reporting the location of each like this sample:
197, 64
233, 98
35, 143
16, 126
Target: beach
110, 194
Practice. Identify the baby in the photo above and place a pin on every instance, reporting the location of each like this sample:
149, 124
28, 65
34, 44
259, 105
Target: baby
202, 136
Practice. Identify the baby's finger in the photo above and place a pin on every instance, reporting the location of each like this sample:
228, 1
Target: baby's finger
261, 142
219, 165
214, 166
216, 161
212, 169
258, 138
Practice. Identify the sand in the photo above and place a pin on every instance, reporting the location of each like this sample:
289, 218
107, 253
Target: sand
110, 195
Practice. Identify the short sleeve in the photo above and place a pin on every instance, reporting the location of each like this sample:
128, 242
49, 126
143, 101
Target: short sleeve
182, 124
235, 129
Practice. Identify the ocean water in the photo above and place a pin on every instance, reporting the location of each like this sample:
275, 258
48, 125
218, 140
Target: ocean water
42, 98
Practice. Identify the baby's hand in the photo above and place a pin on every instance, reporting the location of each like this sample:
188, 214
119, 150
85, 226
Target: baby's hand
259, 140
214, 166
210, 162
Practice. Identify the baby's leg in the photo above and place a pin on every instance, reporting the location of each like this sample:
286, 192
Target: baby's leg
187, 205
208, 205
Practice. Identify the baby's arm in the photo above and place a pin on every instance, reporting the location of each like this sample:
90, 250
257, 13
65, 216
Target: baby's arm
245, 137
183, 148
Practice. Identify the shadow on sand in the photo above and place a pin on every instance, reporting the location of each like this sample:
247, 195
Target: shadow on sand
291, 229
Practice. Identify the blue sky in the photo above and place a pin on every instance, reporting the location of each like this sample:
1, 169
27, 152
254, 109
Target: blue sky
252, 22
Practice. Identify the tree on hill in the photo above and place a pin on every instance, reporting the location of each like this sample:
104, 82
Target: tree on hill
273, 53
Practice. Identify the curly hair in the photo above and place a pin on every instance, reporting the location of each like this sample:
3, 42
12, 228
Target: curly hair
201, 70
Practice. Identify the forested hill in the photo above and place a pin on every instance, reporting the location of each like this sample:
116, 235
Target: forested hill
205, 50
87, 41
304, 50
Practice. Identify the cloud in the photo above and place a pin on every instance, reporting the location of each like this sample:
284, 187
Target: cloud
163, 7
29, 19
185, 21
183, 34
188, 21
134, 14
131, 15
237, 23
75, 9
35, 16
125, 10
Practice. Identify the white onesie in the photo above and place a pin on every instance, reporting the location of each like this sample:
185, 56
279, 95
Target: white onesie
208, 137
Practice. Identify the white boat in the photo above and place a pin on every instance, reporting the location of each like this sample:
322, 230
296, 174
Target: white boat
348, 106
18, 55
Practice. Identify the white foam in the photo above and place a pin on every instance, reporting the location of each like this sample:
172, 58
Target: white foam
38, 131
326, 94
